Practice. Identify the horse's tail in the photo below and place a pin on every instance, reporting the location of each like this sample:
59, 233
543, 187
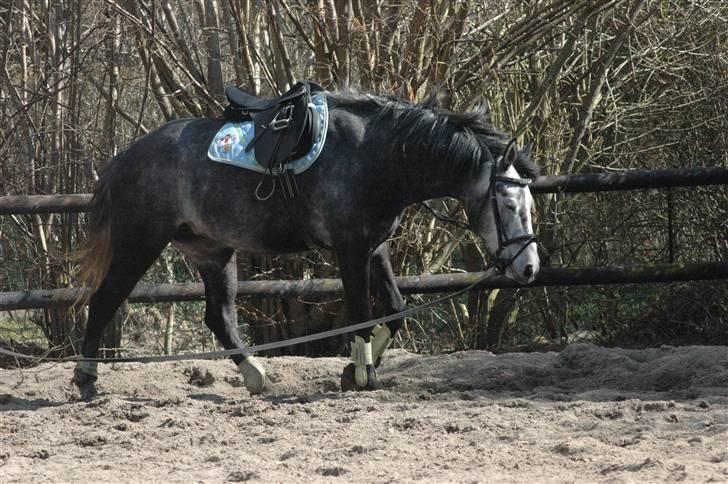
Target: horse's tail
95, 255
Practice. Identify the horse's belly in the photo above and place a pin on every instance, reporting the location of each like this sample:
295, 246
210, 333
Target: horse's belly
247, 225
271, 243
256, 238
259, 241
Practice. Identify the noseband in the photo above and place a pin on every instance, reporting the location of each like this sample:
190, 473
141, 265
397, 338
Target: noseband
499, 262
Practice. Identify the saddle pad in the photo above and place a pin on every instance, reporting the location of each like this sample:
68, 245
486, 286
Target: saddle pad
228, 145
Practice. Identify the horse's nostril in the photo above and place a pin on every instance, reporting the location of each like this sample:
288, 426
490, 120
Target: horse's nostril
528, 271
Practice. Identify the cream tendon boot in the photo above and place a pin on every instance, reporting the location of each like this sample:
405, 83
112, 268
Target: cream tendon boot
84, 377
380, 342
88, 367
361, 355
253, 374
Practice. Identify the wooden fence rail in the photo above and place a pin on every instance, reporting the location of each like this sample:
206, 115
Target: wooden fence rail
596, 182
154, 293
593, 182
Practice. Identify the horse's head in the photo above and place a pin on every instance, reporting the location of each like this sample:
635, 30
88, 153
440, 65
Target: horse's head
498, 205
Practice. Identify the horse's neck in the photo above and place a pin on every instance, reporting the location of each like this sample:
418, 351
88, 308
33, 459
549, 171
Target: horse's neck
429, 182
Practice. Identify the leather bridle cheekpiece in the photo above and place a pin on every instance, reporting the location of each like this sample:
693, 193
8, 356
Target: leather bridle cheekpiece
499, 262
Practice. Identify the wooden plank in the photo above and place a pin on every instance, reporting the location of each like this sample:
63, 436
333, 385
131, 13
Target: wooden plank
45, 298
594, 182
24, 204
631, 180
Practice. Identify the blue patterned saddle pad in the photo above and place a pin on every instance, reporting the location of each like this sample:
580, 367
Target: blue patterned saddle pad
228, 145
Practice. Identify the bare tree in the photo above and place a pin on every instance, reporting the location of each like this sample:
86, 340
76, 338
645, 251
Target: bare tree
594, 84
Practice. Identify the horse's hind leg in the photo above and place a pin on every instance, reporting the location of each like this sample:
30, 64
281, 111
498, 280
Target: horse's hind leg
388, 294
129, 261
218, 270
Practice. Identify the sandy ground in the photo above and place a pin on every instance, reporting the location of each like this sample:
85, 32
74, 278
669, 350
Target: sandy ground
585, 414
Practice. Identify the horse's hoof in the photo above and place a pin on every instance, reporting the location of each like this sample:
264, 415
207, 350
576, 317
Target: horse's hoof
372, 380
88, 391
253, 375
349, 383
347, 379
86, 384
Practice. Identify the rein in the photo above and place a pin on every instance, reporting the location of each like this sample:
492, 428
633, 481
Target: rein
257, 348
446, 218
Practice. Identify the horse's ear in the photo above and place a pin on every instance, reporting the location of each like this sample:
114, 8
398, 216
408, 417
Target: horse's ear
480, 105
439, 98
527, 150
510, 154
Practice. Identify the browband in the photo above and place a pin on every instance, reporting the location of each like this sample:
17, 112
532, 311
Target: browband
515, 181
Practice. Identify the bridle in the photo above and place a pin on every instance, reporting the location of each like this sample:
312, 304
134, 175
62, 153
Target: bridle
501, 263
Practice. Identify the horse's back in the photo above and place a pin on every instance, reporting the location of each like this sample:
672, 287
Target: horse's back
171, 173
148, 173
166, 176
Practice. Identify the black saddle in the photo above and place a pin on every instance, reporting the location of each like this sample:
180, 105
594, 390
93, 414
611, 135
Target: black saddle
286, 126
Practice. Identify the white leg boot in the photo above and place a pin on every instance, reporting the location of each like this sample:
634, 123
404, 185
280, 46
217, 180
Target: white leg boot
253, 374
380, 342
361, 355
88, 367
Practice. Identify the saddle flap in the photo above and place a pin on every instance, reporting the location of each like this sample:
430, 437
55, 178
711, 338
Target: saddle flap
278, 133
288, 129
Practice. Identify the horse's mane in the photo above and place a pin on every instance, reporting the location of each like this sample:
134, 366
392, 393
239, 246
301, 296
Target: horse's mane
426, 131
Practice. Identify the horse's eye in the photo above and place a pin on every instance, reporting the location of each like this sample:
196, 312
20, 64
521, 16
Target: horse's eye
511, 206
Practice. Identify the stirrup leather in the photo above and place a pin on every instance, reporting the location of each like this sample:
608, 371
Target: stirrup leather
361, 355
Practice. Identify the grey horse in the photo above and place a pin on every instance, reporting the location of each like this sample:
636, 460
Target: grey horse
381, 155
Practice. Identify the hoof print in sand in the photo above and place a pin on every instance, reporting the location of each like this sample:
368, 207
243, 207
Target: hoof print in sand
198, 378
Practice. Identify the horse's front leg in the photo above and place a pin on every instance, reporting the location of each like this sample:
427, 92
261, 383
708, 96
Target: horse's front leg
355, 266
388, 295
